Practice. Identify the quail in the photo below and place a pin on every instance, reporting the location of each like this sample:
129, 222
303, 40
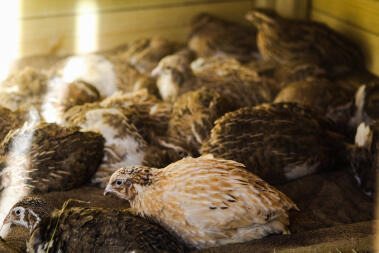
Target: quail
86, 229
328, 98
193, 116
23, 89
107, 74
144, 54
175, 77
206, 201
287, 41
47, 157
212, 36
279, 142
61, 96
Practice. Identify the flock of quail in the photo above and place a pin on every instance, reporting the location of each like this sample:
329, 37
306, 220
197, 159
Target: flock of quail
191, 136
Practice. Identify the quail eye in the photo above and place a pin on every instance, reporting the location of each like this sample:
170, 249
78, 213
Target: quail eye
119, 182
18, 212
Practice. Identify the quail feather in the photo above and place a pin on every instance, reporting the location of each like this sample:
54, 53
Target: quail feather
292, 42
175, 77
144, 54
280, 141
193, 116
108, 74
366, 104
328, 98
206, 201
86, 229
23, 88
47, 157
213, 36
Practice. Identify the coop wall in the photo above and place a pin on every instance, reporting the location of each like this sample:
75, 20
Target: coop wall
63, 27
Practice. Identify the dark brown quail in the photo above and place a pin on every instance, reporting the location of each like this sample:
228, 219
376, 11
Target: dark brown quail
278, 142
46, 157
80, 229
212, 36
296, 42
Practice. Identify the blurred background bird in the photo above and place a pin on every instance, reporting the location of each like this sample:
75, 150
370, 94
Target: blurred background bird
287, 41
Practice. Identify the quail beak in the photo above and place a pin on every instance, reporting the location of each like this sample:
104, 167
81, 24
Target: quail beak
7, 220
156, 72
108, 190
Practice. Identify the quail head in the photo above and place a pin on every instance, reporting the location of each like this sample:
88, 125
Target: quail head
287, 41
206, 201
212, 36
80, 229
279, 142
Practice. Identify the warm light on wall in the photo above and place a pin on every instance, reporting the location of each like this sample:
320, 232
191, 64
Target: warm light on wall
86, 27
10, 35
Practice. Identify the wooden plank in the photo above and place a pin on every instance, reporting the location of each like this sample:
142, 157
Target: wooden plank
48, 8
360, 13
58, 34
367, 41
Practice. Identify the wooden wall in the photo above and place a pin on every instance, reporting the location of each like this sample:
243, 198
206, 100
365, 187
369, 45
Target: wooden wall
356, 19
53, 26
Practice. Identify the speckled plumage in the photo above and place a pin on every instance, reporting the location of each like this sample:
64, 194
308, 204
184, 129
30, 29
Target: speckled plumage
23, 89
149, 114
295, 41
47, 157
328, 98
278, 142
123, 144
144, 54
61, 96
193, 116
233, 81
206, 201
212, 36
80, 229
